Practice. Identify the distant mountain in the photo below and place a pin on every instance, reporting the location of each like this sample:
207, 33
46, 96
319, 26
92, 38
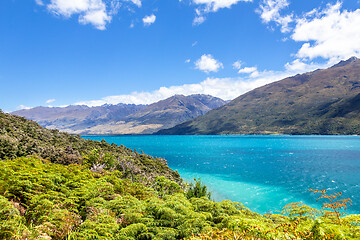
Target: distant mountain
123, 118
320, 102
74, 119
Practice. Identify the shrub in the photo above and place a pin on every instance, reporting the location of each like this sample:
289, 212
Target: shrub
197, 190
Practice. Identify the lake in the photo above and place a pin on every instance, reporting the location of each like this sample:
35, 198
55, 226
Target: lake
262, 172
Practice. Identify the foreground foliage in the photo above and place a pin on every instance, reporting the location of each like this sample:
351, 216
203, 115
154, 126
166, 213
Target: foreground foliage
43, 200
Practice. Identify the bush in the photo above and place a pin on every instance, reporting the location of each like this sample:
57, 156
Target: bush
197, 190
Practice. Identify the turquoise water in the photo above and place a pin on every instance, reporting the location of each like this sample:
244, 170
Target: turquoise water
262, 172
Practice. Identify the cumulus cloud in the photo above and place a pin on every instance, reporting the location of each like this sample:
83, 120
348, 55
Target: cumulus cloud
300, 66
95, 12
89, 11
270, 12
252, 71
208, 64
207, 6
148, 20
330, 33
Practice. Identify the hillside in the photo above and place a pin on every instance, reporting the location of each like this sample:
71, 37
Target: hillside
20, 137
320, 102
123, 118
71, 188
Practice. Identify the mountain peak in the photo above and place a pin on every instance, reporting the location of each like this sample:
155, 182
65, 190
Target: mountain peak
346, 62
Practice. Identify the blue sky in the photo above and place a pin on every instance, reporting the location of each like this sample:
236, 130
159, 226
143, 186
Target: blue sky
62, 52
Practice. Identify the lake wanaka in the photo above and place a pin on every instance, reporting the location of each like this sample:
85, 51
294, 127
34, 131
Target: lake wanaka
262, 172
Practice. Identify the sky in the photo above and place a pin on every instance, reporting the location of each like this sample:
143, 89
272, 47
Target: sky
94, 52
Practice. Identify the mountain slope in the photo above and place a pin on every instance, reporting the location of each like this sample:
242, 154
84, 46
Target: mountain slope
320, 102
175, 110
123, 118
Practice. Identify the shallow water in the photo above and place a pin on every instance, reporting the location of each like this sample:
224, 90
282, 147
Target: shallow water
262, 172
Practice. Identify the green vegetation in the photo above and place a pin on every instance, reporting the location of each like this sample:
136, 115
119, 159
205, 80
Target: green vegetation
43, 200
20, 137
197, 190
61, 187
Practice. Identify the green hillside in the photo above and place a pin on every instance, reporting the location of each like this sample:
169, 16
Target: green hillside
20, 137
58, 186
320, 102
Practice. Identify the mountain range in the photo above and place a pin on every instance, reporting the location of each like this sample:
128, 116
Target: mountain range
122, 118
320, 102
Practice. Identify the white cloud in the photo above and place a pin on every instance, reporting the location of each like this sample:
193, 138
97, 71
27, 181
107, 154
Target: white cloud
300, 66
215, 5
98, 18
207, 6
50, 101
194, 44
248, 70
22, 107
96, 12
199, 20
148, 20
270, 12
136, 2
89, 11
208, 64
39, 2
330, 34
187, 61
237, 65
252, 71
